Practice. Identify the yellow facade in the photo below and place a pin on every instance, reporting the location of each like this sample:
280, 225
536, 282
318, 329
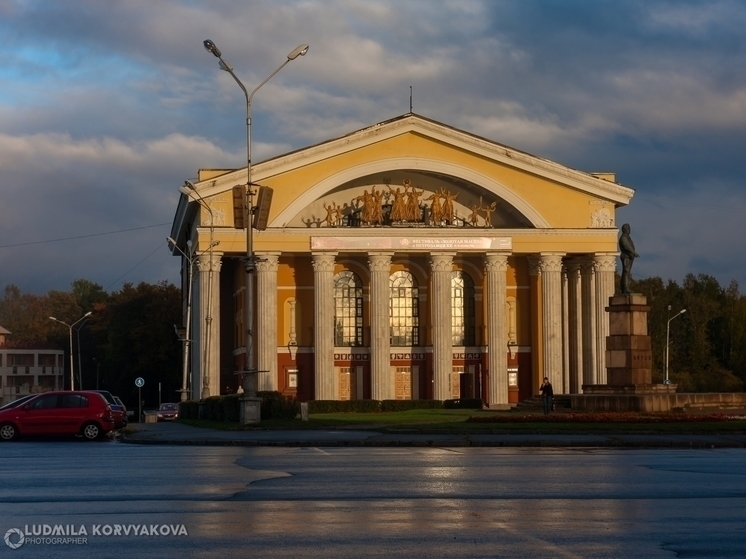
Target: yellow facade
554, 228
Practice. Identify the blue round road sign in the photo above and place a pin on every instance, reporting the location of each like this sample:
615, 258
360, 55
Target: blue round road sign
139, 382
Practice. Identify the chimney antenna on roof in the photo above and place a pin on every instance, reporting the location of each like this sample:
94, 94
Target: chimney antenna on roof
410, 99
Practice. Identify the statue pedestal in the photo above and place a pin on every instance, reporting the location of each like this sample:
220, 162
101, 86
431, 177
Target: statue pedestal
629, 359
251, 405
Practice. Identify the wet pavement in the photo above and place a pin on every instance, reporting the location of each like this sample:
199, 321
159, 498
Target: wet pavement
178, 433
155, 501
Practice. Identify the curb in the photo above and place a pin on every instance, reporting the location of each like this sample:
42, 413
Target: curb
610, 443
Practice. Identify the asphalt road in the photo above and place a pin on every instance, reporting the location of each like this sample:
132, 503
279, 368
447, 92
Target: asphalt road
370, 502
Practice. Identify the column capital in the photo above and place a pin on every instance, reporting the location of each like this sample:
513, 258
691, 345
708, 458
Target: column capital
267, 261
550, 262
442, 261
605, 262
203, 261
572, 265
496, 261
587, 266
323, 261
379, 261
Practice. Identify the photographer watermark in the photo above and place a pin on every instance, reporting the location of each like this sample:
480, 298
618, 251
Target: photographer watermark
70, 534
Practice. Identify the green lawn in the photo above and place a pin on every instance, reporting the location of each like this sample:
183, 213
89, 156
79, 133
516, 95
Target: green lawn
455, 421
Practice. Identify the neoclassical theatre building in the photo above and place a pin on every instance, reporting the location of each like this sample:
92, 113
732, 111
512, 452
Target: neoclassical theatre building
406, 260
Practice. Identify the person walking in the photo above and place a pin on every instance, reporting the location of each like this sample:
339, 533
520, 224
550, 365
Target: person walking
547, 393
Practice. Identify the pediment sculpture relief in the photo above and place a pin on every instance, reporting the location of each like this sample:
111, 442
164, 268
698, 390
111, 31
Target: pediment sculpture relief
602, 218
404, 206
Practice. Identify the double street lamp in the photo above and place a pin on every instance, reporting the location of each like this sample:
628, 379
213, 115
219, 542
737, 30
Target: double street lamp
249, 368
189, 190
72, 360
189, 257
668, 330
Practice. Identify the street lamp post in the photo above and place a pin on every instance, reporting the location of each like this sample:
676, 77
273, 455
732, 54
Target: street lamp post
668, 330
249, 368
189, 190
80, 364
72, 360
187, 340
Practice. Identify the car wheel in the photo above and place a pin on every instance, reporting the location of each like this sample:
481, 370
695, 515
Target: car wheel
8, 432
91, 431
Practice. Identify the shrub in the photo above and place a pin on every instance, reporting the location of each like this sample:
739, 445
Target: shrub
276, 406
189, 409
344, 406
231, 405
213, 408
463, 404
404, 405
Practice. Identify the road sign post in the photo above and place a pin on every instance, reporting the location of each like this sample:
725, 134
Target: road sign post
139, 382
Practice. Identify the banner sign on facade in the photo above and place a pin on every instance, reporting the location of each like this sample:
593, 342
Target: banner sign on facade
412, 243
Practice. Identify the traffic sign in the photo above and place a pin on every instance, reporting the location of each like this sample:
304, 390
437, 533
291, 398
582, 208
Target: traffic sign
139, 382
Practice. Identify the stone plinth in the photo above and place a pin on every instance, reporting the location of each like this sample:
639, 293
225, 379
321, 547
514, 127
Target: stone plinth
629, 356
629, 359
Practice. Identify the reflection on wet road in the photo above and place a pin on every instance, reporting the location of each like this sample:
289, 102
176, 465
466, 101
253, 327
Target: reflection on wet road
384, 502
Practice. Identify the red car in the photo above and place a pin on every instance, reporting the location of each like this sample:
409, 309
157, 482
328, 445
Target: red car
59, 413
168, 412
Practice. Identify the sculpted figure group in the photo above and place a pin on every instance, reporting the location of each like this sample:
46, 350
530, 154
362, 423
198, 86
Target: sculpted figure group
405, 207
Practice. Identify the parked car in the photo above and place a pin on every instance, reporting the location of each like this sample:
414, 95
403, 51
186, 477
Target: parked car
168, 412
79, 412
17, 402
117, 408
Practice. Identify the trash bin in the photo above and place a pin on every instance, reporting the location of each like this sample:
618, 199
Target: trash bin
151, 417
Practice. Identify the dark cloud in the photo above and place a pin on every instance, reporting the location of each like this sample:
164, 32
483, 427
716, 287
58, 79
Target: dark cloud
105, 107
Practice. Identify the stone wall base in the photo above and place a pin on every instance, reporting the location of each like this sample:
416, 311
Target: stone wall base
656, 401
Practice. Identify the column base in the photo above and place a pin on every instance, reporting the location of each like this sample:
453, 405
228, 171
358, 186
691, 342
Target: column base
499, 406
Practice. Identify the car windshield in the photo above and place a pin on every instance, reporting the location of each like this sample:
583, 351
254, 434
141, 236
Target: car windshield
169, 407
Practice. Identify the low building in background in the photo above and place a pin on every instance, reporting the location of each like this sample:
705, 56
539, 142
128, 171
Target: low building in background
27, 370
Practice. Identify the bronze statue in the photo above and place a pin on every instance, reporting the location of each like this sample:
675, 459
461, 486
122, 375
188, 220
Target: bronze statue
398, 206
413, 202
628, 255
488, 211
447, 209
436, 210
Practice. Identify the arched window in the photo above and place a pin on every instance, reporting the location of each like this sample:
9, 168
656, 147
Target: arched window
348, 310
404, 320
462, 309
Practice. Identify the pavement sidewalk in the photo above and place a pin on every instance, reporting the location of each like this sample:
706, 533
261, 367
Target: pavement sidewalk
174, 433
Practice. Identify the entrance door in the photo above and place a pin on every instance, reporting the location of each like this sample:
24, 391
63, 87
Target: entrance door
403, 383
347, 383
456, 382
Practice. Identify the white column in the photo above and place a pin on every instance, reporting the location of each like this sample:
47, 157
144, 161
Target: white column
575, 328
565, 332
604, 266
496, 268
326, 385
441, 265
550, 265
588, 305
209, 327
266, 319
382, 386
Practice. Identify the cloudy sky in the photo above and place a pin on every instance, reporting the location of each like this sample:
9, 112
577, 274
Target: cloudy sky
107, 106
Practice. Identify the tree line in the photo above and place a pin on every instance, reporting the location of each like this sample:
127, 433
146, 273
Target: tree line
129, 334
707, 343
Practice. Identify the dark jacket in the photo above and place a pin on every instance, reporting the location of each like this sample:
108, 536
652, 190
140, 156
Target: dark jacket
546, 389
